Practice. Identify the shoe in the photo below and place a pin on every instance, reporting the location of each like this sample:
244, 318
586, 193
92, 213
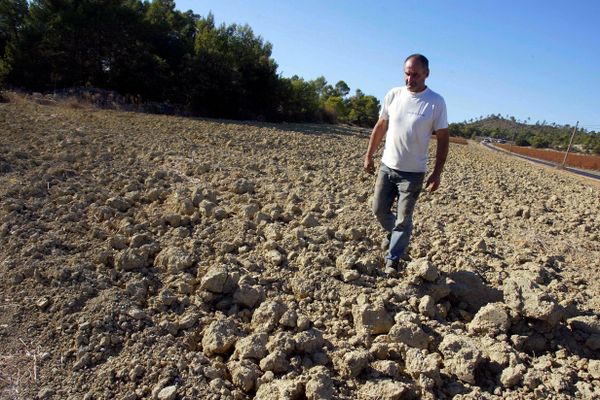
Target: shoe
406, 257
385, 243
395, 267
390, 268
402, 264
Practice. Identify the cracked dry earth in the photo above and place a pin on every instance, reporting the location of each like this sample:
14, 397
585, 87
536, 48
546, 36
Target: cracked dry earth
170, 258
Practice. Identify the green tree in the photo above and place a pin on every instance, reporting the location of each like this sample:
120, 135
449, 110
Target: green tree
335, 110
169, 36
235, 74
363, 110
151, 50
342, 89
457, 129
522, 141
299, 100
73, 43
12, 16
539, 142
321, 87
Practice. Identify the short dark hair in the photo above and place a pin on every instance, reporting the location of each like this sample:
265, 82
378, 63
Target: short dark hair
419, 57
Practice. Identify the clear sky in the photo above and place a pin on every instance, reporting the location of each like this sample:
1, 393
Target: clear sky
528, 59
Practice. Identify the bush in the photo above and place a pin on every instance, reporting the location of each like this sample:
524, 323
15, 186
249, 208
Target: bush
540, 142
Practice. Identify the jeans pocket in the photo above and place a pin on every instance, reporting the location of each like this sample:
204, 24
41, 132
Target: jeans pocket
385, 168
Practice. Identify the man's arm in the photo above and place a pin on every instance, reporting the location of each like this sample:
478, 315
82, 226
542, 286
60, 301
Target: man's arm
377, 135
443, 140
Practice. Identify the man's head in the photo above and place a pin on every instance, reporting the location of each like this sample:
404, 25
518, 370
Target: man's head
416, 70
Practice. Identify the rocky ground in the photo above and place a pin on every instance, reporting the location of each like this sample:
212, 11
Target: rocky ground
172, 258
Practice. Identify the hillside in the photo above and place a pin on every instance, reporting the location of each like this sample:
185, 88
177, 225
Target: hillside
538, 135
147, 256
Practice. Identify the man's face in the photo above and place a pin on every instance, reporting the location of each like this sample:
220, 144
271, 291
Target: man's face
414, 75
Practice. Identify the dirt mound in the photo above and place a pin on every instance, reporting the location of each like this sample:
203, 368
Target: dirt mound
161, 257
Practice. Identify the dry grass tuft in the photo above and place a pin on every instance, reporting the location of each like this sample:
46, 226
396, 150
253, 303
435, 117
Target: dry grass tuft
19, 372
74, 103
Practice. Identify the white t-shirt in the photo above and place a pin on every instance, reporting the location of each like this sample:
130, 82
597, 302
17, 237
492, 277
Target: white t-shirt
412, 118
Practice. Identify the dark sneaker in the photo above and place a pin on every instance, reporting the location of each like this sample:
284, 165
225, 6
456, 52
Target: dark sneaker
402, 264
395, 268
406, 257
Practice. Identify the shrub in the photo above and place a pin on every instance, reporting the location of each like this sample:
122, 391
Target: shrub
540, 142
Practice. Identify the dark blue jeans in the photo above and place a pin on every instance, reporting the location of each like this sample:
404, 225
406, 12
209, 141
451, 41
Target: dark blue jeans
405, 187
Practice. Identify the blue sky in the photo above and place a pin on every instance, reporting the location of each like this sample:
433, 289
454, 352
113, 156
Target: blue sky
528, 59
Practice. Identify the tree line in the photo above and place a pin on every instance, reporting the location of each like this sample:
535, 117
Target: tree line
540, 134
149, 50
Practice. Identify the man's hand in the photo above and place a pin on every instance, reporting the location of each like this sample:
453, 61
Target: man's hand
377, 135
369, 165
433, 180
441, 152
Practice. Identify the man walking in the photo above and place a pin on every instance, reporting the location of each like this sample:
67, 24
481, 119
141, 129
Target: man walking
408, 117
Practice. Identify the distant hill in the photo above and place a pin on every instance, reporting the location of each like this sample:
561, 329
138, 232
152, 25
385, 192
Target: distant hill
539, 135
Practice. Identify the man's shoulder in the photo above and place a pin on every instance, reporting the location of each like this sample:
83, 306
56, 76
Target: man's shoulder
435, 96
394, 91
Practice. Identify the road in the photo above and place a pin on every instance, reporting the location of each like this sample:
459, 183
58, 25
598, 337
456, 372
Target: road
582, 172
